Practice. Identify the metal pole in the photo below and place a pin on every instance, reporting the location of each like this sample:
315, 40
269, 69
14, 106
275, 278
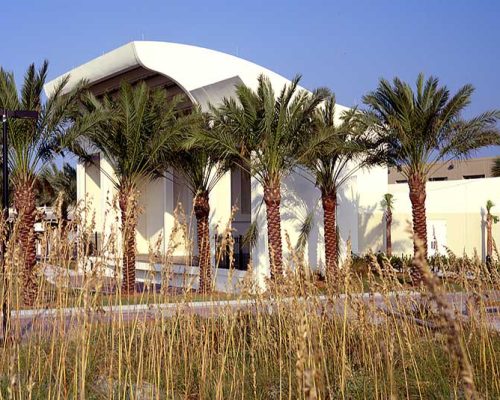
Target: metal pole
5, 211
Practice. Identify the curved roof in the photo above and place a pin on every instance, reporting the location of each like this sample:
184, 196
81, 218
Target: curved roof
205, 75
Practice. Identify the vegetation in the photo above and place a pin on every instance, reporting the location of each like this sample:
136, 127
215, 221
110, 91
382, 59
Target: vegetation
304, 337
338, 147
490, 220
387, 205
136, 133
58, 183
423, 127
265, 133
201, 169
330, 346
32, 144
495, 169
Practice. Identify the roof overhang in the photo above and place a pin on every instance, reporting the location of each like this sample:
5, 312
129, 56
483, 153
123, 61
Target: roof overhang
199, 72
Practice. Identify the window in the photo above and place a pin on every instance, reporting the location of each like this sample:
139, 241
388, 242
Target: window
438, 178
479, 176
401, 181
241, 193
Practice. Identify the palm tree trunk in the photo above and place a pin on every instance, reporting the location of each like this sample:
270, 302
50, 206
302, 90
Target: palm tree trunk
489, 237
128, 206
417, 197
202, 212
272, 198
24, 202
329, 200
388, 238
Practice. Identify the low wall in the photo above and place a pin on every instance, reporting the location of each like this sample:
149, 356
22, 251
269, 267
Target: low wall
456, 215
185, 276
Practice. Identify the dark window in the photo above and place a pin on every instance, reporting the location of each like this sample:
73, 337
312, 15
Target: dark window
474, 176
240, 252
438, 178
401, 181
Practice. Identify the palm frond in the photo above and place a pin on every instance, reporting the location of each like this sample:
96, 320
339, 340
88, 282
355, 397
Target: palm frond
305, 231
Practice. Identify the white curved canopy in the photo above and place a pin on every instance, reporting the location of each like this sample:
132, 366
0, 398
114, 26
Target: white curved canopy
204, 75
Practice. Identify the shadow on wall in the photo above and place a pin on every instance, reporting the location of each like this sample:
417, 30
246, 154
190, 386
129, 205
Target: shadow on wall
300, 197
372, 232
403, 230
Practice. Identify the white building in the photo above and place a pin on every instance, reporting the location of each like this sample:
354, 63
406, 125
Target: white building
205, 76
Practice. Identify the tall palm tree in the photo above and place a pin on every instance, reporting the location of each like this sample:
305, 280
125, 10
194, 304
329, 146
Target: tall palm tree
387, 205
490, 220
33, 143
337, 149
422, 128
136, 136
265, 132
201, 169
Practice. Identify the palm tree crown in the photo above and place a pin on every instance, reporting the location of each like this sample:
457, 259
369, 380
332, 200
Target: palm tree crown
387, 202
55, 181
138, 131
425, 127
265, 132
495, 169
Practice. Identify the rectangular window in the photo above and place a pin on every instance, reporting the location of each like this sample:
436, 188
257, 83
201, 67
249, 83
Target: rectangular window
401, 181
241, 190
474, 176
438, 178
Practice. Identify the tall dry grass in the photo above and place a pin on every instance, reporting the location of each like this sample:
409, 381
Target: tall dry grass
301, 339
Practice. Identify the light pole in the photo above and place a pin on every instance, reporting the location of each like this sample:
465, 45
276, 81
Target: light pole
6, 114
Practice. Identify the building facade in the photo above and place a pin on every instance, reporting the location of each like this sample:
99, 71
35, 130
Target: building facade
205, 77
474, 168
456, 194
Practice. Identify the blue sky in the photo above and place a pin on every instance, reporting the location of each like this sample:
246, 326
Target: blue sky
345, 45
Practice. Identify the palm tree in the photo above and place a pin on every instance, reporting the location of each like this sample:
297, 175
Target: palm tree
55, 182
337, 149
495, 169
137, 133
201, 169
33, 143
490, 220
264, 132
387, 205
424, 127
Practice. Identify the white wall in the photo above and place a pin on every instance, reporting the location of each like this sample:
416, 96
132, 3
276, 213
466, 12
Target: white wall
459, 205
358, 201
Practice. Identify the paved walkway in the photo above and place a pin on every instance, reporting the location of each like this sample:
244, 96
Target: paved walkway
44, 321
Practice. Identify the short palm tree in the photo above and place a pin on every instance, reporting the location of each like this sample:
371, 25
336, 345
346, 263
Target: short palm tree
136, 135
337, 149
495, 169
422, 128
265, 133
32, 144
490, 220
201, 169
55, 182
387, 205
